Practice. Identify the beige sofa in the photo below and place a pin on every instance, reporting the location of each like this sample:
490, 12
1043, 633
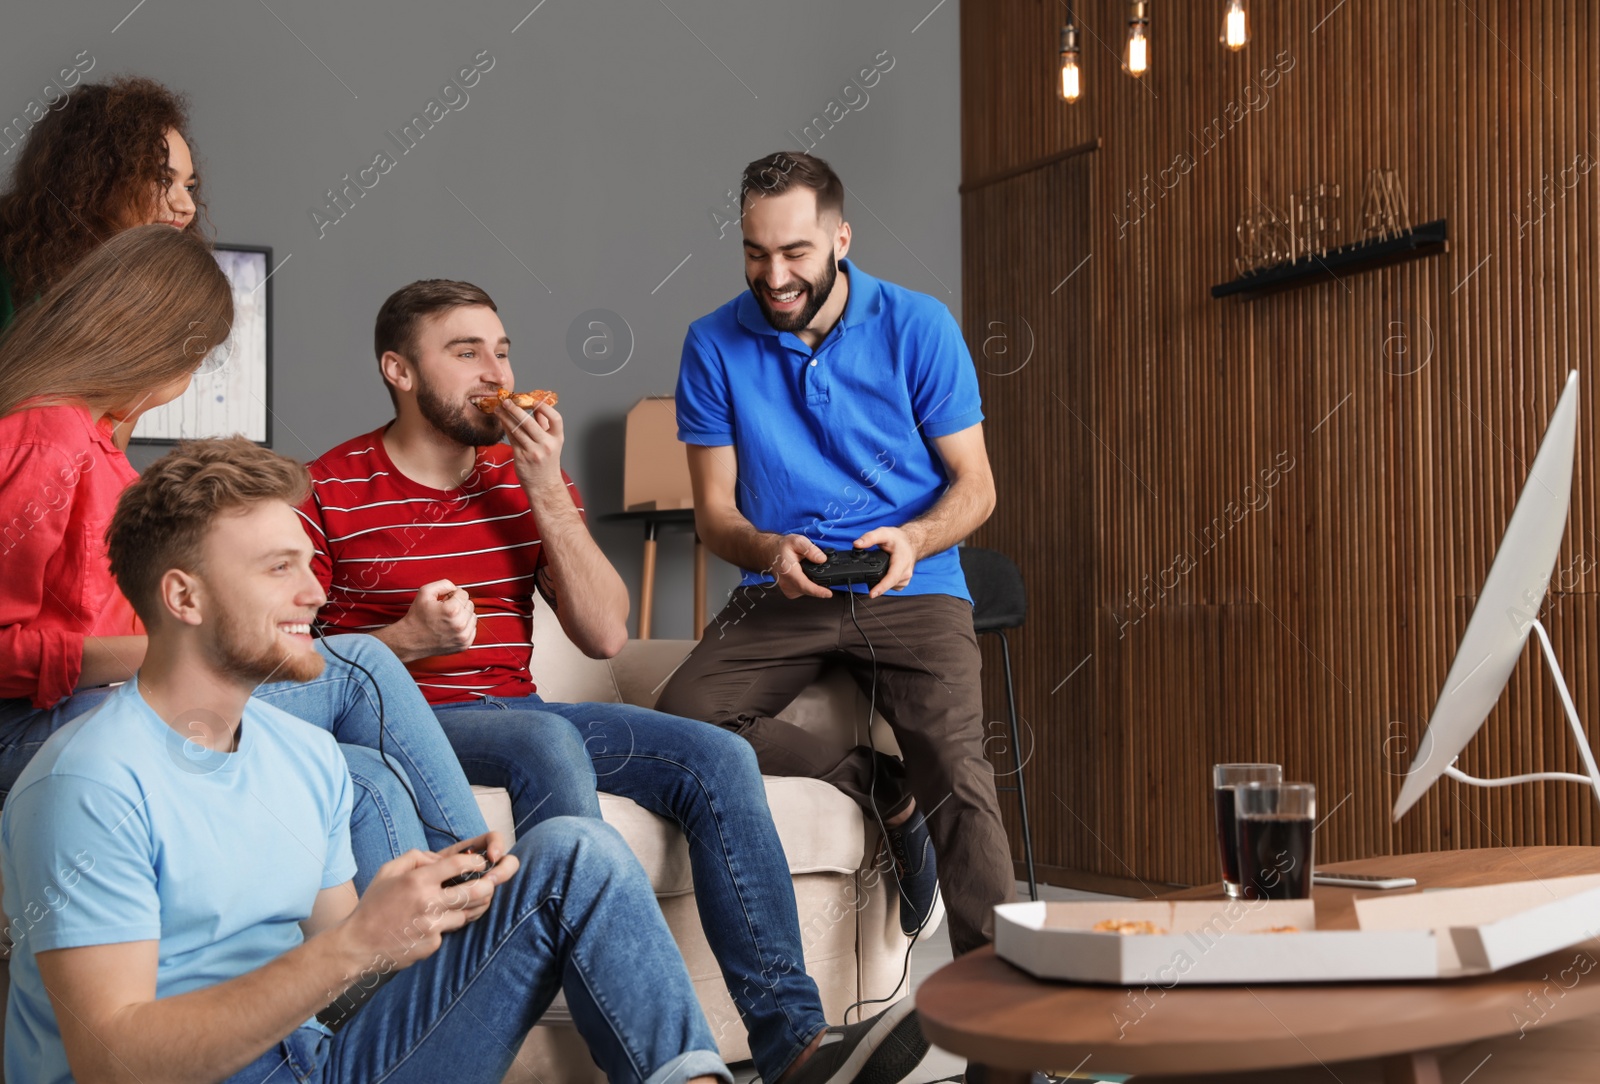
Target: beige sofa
849, 914
849, 917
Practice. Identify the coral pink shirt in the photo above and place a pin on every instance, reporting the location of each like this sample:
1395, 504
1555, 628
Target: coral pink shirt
60, 477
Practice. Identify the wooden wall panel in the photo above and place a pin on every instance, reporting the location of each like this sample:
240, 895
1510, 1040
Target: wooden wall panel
1035, 372
1394, 413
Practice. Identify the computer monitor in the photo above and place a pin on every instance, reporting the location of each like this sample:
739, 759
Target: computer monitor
1507, 610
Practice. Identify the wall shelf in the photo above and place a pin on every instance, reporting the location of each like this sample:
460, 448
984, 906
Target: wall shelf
1425, 240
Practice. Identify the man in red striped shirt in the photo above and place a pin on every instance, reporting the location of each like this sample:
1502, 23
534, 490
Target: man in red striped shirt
432, 535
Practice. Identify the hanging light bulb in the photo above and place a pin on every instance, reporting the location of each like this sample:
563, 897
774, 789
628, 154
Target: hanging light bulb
1071, 78
1136, 58
1235, 28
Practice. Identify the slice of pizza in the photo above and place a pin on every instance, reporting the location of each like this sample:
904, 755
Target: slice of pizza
527, 400
491, 403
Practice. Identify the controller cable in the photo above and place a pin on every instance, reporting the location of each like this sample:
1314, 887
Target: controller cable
872, 790
404, 782
337, 1013
872, 701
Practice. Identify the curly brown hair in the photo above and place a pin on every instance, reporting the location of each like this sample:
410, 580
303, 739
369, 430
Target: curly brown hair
86, 172
162, 519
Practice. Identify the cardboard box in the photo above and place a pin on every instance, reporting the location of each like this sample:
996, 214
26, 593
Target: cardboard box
1439, 933
1207, 941
655, 469
1494, 926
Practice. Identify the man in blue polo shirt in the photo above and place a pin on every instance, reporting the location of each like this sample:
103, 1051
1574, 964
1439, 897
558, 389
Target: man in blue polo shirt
827, 409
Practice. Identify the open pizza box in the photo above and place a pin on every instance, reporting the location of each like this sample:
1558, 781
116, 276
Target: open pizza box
1491, 927
1206, 941
1426, 935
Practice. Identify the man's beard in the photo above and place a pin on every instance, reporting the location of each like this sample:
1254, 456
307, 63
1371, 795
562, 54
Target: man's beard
816, 296
237, 652
463, 423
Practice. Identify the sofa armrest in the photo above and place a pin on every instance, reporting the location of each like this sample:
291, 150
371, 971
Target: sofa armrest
832, 706
641, 669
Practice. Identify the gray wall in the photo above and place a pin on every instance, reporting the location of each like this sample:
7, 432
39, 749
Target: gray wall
581, 169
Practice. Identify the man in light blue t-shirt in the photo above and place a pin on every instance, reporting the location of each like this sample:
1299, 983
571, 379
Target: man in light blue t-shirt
826, 409
178, 868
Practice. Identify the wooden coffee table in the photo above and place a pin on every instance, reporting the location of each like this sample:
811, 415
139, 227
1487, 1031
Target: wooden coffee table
986, 1010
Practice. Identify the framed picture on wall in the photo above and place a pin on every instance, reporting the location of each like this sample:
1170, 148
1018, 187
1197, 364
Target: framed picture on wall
237, 396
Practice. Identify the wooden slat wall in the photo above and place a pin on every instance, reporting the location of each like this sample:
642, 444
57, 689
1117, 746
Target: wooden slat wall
1400, 410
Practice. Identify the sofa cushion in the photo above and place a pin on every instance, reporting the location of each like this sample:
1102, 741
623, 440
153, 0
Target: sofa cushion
561, 672
821, 830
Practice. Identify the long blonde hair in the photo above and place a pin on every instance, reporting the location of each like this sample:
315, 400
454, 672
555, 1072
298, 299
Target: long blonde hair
137, 313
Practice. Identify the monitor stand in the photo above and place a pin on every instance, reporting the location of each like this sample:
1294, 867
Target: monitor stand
1592, 779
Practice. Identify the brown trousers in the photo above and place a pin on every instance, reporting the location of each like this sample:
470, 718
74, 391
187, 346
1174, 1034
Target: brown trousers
762, 650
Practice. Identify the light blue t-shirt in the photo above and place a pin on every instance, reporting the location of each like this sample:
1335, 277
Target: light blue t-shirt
833, 443
122, 830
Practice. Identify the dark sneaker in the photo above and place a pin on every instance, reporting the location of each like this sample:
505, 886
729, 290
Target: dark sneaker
911, 848
881, 1049
978, 1074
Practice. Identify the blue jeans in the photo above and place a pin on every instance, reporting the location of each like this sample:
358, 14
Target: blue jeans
578, 916
383, 823
551, 756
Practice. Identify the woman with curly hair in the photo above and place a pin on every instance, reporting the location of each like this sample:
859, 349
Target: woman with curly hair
112, 156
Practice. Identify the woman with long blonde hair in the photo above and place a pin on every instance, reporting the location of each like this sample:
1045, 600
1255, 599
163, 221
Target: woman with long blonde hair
122, 332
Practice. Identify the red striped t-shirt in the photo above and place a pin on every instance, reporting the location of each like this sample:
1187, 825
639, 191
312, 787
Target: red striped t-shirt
379, 536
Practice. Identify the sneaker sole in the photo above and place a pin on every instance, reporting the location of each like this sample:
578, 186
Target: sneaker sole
935, 916
891, 1058
898, 1055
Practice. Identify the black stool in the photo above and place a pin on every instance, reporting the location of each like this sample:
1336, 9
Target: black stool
1000, 602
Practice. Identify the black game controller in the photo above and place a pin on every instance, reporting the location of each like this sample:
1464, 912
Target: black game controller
471, 874
844, 567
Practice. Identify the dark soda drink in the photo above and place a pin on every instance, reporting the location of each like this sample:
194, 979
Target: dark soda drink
1275, 856
1226, 781
1227, 837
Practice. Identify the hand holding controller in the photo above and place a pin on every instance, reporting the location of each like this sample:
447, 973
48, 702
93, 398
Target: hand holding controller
471, 874
846, 567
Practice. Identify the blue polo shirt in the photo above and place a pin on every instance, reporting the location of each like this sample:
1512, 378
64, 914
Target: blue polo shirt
835, 442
